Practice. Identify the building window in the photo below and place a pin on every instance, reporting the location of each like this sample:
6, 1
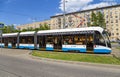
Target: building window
116, 21
119, 16
70, 19
117, 33
111, 21
106, 16
117, 29
116, 12
59, 21
112, 33
106, 21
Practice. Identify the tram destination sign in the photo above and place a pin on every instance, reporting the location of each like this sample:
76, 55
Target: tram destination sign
1, 26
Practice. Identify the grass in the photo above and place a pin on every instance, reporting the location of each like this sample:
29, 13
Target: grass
77, 57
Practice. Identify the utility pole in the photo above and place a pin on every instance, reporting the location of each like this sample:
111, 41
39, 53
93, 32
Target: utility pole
64, 21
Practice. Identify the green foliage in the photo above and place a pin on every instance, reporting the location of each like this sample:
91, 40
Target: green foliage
9, 29
101, 20
36, 29
97, 19
42, 27
24, 30
94, 19
88, 24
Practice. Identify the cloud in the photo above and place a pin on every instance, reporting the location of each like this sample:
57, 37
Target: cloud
77, 5
58, 13
74, 5
98, 5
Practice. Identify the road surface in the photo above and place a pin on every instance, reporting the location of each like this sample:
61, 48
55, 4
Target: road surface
21, 66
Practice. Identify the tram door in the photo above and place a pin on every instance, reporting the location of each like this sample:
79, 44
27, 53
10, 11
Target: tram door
5, 41
57, 42
41, 41
14, 41
90, 42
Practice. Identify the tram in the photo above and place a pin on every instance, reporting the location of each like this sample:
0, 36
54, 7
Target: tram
88, 39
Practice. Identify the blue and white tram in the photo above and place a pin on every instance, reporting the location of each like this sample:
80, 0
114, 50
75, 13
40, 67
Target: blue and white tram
26, 40
88, 39
10, 40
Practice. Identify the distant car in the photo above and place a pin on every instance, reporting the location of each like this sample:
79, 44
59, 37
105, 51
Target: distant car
118, 41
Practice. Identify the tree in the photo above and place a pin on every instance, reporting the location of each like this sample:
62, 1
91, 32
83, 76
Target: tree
101, 20
12, 29
44, 27
24, 30
41, 27
97, 19
94, 19
36, 29
9, 29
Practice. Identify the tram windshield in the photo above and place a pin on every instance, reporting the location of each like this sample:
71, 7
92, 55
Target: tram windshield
106, 36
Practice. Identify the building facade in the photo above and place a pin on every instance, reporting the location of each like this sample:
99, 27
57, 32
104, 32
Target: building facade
82, 18
34, 25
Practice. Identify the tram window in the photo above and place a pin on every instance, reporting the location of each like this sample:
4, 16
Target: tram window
27, 39
55, 40
50, 40
80, 39
30, 39
68, 39
90, 39
22, 40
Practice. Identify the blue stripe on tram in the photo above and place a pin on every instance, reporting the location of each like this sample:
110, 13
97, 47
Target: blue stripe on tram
102, 51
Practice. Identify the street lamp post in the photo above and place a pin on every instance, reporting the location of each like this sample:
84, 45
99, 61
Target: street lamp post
64, 21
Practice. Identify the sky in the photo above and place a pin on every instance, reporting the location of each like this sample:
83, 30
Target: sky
20, 12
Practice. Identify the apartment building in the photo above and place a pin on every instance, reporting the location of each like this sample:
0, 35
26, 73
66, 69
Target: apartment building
82, 18
33, 25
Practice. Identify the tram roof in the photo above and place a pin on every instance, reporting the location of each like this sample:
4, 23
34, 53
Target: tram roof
71, 30
30, 33
10, 34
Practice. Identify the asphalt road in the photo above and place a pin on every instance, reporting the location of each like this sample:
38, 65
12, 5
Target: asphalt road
20, 66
